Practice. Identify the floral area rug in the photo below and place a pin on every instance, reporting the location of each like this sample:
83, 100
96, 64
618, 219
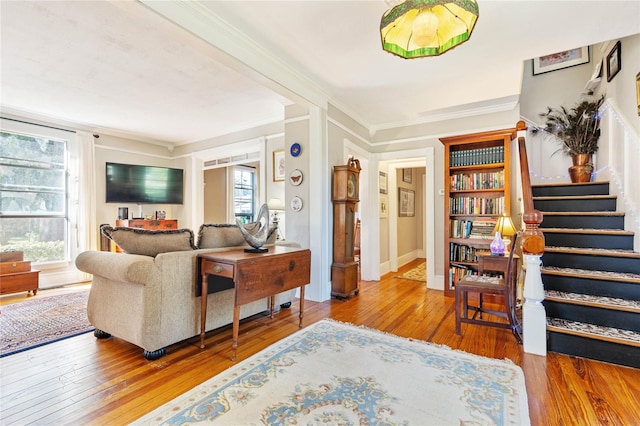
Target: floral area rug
419, 273
42, 320
336, 373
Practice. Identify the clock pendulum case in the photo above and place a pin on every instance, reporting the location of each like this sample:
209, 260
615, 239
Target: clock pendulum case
345, 197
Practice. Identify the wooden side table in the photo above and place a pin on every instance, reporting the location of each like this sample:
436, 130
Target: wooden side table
255, 276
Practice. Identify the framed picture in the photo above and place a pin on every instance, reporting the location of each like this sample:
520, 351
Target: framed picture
382, 182
560, 60
384, 206
407, 175
638, 91
614, 63
406, 202
278, 166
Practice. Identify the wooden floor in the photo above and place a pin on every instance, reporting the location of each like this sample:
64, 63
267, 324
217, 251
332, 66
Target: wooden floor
83, 380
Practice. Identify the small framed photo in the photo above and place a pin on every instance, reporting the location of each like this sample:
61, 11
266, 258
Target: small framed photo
406, 202
407, 175
560, 60
382, 182
614, 62
278, 166
384, 206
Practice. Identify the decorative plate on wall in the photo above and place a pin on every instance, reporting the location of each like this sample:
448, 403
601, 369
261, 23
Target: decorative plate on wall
295, 178
295, 149
296, 204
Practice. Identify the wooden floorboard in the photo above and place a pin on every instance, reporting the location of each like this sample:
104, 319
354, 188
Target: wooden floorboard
87, 381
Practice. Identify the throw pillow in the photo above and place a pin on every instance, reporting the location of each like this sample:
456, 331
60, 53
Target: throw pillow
217, 235
149, 242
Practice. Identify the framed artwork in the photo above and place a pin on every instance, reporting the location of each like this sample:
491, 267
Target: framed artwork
560, 60
278, 166
407, 175
406, 202
614, 62
384, 206
638, 91
382, 182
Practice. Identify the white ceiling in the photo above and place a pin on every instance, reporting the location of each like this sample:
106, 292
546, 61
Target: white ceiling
122, 68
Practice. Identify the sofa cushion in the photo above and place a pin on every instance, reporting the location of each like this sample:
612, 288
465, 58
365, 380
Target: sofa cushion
149, 242
216, 235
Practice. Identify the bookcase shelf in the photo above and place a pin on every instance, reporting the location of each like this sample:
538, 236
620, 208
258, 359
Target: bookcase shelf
477, 190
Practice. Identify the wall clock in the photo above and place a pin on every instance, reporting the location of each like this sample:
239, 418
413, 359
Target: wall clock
295, 178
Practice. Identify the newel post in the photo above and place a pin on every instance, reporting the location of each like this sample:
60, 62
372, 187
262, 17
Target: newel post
534, 316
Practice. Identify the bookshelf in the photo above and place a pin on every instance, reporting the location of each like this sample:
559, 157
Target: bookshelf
477, 191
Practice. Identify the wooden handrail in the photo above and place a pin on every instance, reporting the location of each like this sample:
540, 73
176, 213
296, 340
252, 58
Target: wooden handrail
532, 237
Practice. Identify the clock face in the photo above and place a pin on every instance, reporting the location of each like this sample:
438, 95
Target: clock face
351, 186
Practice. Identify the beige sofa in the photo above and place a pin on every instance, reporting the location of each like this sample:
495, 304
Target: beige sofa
149, 299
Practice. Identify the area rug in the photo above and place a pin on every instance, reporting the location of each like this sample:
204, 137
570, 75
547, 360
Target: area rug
42, 320
419, 273
336, 373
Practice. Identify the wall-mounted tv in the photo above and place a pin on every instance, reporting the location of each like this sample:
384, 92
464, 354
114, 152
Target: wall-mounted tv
129, 183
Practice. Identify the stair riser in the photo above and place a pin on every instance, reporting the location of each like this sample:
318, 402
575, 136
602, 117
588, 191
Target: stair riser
591, 262
594, 349
582, 222
565, 205
570, 190
598, 316
619, 242
605, 288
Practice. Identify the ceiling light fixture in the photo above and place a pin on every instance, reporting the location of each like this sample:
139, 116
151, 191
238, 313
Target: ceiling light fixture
419, 28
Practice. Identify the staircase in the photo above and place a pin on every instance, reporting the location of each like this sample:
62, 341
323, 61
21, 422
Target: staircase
590, 273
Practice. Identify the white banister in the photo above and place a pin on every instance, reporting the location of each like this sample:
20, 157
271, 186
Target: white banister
534, 317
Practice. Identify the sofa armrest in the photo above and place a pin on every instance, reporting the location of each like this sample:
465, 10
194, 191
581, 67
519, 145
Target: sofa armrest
120, 267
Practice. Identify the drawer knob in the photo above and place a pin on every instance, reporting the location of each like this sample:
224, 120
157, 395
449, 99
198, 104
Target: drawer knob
217, 269
292, 265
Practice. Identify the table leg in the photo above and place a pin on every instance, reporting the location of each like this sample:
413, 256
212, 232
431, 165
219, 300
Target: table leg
301, 305
203, 308
272, 303
236, 327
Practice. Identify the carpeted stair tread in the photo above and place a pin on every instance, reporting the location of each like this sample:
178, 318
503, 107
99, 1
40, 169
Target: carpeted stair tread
583, 213
594, 251
609, 334
586, 273
575, 197
586, 231
593, 301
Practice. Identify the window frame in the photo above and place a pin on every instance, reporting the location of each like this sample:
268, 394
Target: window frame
68, 137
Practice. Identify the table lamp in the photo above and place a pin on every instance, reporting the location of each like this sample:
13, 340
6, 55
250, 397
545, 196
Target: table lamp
275, 206
503, 231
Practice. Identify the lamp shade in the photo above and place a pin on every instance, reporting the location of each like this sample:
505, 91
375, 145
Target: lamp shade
275, 204
418, 28
505, 227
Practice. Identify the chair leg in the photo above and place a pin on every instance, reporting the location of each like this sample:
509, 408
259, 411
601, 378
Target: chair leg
458, 312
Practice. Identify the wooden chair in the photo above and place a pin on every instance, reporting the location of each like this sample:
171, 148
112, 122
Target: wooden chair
500, 286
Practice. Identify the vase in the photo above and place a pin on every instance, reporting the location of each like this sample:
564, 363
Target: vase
582, 168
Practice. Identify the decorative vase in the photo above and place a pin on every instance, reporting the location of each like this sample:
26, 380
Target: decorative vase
582, 168
497, 246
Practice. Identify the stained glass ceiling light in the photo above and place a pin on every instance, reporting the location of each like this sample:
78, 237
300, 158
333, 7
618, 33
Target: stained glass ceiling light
418, 28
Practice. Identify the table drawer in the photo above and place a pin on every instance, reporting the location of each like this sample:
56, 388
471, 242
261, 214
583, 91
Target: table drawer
218, 268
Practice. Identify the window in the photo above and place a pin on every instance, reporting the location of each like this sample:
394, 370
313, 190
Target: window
244, 193
34, 181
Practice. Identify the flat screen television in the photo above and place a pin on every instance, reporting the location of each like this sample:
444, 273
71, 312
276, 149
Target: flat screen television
129, 183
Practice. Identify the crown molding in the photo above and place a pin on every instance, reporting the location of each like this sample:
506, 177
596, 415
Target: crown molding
242, 53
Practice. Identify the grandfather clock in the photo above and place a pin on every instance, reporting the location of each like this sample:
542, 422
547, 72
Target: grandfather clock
344, 269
